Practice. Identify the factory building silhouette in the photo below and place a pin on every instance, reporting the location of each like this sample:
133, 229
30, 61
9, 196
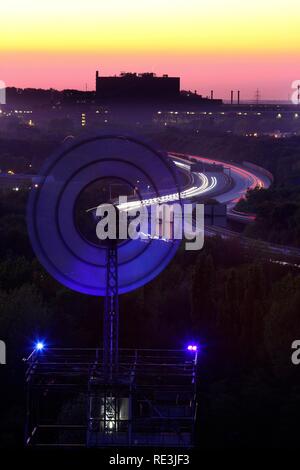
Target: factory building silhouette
133, 86
144, 87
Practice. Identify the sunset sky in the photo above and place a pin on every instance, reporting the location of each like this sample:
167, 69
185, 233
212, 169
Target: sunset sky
216, 44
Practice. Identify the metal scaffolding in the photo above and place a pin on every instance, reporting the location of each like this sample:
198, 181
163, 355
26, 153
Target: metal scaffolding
149, 401
111, 312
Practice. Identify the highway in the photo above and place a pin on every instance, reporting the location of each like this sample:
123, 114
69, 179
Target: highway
272, 252
242, 178
226, 187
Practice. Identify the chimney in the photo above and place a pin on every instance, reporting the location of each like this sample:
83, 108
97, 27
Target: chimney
231, 97
97, 76
238, 97
211, 94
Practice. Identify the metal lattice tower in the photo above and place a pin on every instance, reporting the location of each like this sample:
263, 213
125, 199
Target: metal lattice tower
111, 312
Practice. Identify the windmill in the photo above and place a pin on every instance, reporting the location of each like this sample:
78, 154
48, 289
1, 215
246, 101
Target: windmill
108, 270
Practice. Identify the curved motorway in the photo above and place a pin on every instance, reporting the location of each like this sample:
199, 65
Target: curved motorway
239, 179
242, 178
226, 187
213, 184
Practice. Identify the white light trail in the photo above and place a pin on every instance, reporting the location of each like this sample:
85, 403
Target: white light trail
191, 192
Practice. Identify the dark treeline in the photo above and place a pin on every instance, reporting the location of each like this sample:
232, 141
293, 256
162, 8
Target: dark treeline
280, 156
25, 155
278, 214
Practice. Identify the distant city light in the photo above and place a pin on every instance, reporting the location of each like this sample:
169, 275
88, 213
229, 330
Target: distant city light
192, 347
39, 346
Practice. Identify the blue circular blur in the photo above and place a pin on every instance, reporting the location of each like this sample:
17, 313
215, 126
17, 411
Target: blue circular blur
58, 244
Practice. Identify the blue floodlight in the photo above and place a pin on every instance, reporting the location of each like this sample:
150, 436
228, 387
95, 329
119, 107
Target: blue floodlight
192, 347
39, 346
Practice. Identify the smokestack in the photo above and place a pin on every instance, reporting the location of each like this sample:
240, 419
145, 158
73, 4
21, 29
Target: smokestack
231, 97
238, 97
97, 76
211, 94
